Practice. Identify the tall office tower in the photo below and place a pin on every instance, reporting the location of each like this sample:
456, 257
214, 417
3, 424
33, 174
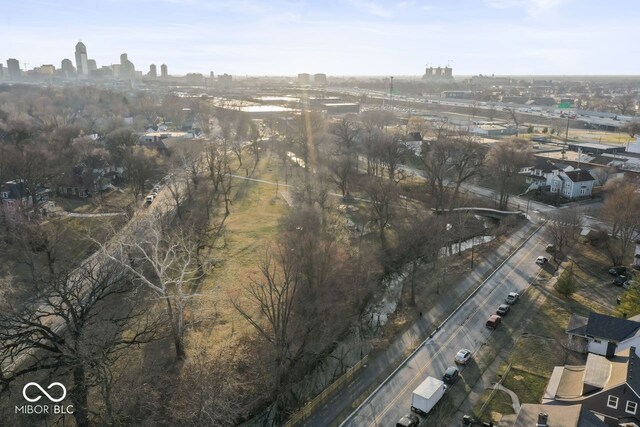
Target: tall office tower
153, 72
91, 65
1, 72
13, 68
127, 70
164, 73
67, 68
81, 60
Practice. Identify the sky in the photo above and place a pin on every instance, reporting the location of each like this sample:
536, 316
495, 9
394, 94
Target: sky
339, 38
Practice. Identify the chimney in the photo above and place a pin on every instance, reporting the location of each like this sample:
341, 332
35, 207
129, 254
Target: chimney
542, 420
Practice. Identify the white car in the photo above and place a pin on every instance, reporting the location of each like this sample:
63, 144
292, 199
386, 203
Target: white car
463, 356
512, 298
541, 260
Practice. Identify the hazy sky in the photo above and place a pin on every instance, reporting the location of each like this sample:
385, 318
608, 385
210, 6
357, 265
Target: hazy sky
351, 37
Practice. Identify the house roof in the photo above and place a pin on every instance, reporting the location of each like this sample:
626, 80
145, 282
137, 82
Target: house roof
577, 325
611, 328
579, 175
544, 164
558, 416
633, 371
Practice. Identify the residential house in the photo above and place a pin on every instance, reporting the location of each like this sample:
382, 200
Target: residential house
572, 185
602, 334
83, 181
17, 201
532, 415
609, 388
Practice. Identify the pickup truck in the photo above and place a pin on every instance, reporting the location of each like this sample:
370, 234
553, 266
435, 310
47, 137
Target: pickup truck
512, 298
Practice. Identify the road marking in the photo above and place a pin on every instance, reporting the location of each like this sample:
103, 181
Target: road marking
453, 335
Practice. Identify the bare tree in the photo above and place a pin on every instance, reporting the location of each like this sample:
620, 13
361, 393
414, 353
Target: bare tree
392, 151
275, 297
515, 118
383, 195
563, 228
141, 164
419, 244
466, 162
505, 159
79, 324
165, 261
622, 210
436, 158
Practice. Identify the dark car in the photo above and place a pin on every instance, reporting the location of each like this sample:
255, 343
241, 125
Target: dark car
619, 280
618, 269
450, 375
408, 420
503, 309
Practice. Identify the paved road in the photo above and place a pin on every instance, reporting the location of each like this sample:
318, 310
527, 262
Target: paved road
341, 403
465, 329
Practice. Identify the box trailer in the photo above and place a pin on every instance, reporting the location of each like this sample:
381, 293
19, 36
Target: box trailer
426, 395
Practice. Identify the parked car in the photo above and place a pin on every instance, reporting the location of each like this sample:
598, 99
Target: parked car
450, 375
409, 420
503, 309
550, 248
512, 298
463, 356
149, 198
619, 280
618, 269
493, 321
541, 260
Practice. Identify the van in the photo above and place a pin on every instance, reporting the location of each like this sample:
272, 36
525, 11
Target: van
149, 198
493, 321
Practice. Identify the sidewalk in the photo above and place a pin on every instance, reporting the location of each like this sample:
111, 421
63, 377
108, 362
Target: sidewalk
342, 403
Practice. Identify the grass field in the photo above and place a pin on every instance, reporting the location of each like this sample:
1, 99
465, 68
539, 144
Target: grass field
249, 229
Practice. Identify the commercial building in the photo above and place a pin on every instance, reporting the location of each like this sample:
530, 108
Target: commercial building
438, 73
164, 71
304, 78
153, 73
458, 94
13, 69
127, 70
91, 64
66, 68
596, 148
81, 60
320, 79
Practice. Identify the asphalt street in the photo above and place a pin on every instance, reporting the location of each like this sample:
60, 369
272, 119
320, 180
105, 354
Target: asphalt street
465, 329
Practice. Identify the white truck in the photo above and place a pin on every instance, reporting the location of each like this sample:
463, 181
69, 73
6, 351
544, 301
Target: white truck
428, 393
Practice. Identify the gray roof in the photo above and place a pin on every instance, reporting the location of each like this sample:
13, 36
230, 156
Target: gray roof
577, 325
611, 328
633, 371
558, 416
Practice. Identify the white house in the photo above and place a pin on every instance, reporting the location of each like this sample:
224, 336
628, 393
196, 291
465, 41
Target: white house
602, 334
573, 184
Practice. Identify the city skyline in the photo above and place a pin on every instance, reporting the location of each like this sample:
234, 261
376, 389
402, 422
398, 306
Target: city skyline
357, 37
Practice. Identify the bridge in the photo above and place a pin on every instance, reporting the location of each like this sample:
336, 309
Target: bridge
492, 213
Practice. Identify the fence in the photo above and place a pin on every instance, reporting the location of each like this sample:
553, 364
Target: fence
311, 406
